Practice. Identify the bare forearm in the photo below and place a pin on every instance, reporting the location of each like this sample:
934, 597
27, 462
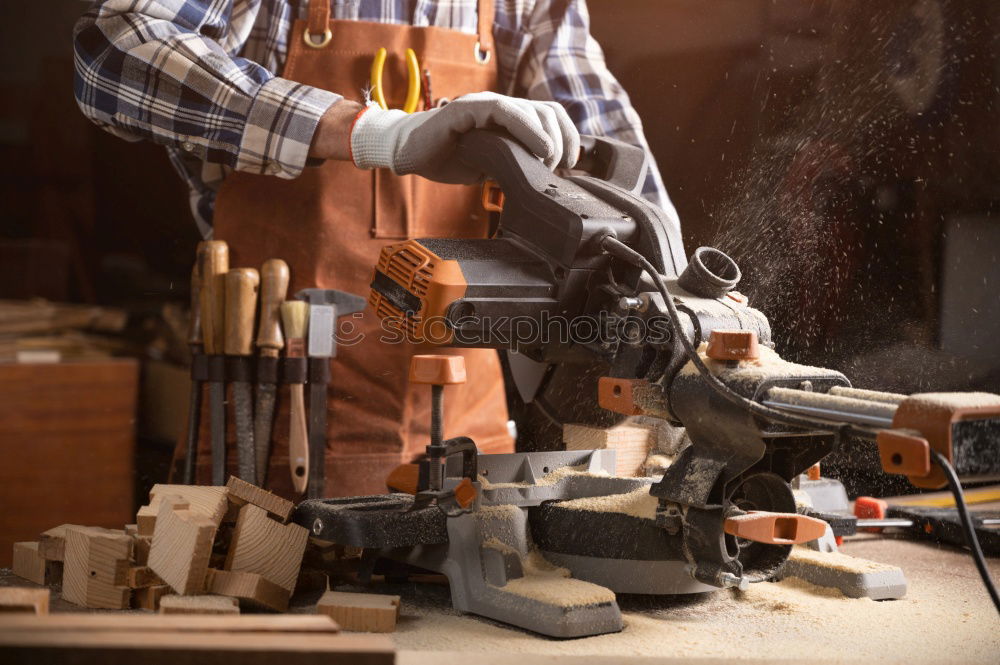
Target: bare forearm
332, 139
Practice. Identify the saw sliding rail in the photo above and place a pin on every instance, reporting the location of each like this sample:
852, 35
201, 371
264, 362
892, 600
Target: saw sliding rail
861, 409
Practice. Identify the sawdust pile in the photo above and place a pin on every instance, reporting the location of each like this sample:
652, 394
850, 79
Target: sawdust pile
637, 503
547, 583
837, 561
945, 618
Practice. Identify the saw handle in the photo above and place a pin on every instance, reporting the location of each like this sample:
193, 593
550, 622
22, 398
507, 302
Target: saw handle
501, 157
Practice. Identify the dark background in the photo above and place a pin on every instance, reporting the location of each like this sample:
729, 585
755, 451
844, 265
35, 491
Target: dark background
846, 153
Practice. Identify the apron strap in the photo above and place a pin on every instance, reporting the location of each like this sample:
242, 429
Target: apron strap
319, 16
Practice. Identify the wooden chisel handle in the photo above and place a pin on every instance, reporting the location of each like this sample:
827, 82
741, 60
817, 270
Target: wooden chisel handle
214, 266
241, 306
194, 324
295, 317
273, 289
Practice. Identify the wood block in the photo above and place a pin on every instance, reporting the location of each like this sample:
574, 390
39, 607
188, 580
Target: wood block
362, 612
96, 567
265, 546
101, 621
142, 576
145, 520
242, 493
129, 646
209, 501
27, 563
148, 598
631, 444
23, 600
140, 549
182, 545
52, 543
174, 604
250, 587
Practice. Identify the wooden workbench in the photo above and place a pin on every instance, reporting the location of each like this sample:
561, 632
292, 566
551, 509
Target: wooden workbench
945, 617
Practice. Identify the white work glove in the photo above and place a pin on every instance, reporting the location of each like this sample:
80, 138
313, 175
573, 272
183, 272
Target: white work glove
424, 142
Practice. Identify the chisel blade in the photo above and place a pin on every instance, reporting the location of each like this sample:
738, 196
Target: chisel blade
246, 455
262, 424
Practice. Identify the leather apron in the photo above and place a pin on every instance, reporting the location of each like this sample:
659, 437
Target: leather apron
329, 225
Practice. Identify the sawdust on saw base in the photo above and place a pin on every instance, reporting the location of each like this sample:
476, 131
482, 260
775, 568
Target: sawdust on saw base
637, 503
551, 584
943, 619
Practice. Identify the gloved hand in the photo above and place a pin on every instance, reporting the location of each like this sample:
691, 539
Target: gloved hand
424, 142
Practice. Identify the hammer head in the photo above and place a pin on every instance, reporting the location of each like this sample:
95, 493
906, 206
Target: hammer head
346, 303
325, 307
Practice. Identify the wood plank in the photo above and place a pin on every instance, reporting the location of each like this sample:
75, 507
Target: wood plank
631, 443
174, 604
95, 568
182, 545
210, 501
266, 547
81, 434
148, 598
22, 600
363, 612
281, 623
28, 564
242, 493
250, 587
166, 648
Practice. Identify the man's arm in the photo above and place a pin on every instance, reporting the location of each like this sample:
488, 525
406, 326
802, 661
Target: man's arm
158, 70
565, 63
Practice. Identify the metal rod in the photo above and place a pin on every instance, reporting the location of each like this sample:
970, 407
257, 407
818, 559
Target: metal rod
831, 407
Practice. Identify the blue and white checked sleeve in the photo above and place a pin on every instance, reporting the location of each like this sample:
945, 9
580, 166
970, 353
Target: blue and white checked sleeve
564, 63
167, 70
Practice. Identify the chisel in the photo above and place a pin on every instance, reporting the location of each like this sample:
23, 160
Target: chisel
295, 317
213, 308
273, 287
325, 307
241, 305
199, 369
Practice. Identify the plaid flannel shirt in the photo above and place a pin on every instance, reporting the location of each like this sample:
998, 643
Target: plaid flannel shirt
199, 76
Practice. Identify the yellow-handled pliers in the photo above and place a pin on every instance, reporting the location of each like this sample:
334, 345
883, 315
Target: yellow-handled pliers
413, 76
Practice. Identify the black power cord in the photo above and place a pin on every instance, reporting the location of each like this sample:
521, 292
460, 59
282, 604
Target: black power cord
616, 248
970, 533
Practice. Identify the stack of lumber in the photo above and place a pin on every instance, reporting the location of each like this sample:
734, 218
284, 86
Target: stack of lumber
38, 330
632, 443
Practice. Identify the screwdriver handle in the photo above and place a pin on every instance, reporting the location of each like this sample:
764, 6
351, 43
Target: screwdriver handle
213, 295
241, 305
273, 289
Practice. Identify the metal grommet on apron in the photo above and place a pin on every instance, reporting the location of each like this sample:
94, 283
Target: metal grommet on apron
329, 225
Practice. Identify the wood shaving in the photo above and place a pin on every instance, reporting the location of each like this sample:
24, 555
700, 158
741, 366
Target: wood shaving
637, 503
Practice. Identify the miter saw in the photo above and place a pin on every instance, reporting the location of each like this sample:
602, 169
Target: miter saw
586, 286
